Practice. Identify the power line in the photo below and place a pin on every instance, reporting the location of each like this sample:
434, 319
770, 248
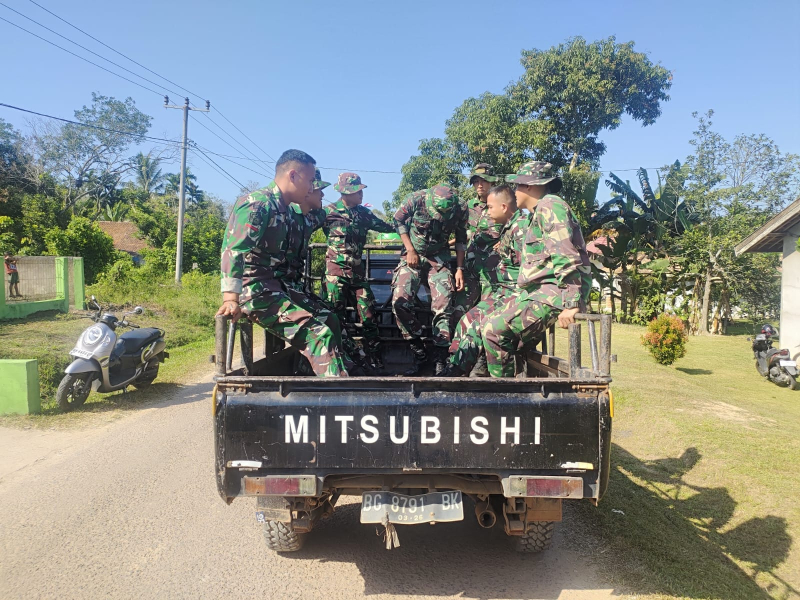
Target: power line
206, 150
233, 138
129, 71
82, 58
218, 171
90, 51
116, 51
131, 133
223, 170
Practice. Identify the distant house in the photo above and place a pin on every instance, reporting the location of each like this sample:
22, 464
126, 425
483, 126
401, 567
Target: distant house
125, 236
780, 234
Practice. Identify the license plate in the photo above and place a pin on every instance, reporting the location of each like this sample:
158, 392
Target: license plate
436, 507
81, 353
788, 363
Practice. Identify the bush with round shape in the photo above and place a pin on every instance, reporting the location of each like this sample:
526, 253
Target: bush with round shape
666, 339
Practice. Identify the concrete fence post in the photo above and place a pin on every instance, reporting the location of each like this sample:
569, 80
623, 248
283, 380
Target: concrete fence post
20, 393
62, 282
78, 283
3, 297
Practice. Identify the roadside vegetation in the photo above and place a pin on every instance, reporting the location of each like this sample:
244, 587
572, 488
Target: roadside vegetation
186, 313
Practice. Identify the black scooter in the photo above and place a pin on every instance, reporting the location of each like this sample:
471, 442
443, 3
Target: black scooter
772, 363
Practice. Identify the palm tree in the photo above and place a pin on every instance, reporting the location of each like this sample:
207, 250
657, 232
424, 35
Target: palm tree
640, 225
148, 174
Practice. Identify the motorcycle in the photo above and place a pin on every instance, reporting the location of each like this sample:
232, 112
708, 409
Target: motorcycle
772, 363
107, 363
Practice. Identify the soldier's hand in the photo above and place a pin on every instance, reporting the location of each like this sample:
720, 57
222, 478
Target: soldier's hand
459, 280
412, 259
230, 308
567, 317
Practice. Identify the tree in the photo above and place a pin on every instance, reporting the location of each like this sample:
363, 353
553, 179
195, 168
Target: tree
556, 111
734, 187
83, 158
581, 89
638, 228
148, 174
83, 238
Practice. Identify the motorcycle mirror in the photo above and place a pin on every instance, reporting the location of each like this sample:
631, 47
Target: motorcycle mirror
138, 310
93, 298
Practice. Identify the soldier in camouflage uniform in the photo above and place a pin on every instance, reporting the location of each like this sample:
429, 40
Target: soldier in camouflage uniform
466, 349
254, 265
307, 216
555, 276
346, 225
482, 236
425, 221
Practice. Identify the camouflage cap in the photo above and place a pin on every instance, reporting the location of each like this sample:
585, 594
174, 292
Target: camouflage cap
349, 183
318, 183
441, 199
537, 172
484, 171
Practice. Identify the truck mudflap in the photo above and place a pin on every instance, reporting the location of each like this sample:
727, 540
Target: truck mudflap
402, 425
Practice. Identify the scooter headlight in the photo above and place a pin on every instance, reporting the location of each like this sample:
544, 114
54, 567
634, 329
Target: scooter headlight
92, 335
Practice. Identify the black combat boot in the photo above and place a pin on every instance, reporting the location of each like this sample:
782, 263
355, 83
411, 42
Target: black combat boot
374, 356
481, 369
420, 357
440, 368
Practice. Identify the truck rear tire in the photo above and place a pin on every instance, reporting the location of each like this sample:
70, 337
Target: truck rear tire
281, 537
537, 538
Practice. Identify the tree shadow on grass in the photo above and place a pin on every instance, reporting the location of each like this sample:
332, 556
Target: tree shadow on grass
672, 537
694, 371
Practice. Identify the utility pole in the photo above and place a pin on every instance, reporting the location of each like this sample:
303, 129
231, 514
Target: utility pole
182, 195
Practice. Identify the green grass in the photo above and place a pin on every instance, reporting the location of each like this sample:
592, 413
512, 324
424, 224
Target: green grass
702, 501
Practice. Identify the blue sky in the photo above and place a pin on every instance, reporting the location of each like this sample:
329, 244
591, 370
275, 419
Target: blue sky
358, 84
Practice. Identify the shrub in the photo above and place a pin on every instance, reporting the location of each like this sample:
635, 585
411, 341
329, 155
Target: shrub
83, 238
665, 339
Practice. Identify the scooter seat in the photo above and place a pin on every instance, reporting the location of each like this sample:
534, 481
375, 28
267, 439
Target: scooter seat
133, 341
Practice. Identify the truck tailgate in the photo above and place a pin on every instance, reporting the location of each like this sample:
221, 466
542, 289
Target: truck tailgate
360, 425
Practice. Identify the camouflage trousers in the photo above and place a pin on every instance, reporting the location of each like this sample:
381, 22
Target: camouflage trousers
475, 290
296, 319
520, 318
405, 285
467, 343
339, 288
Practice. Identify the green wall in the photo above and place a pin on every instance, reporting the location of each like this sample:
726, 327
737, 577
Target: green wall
19, 393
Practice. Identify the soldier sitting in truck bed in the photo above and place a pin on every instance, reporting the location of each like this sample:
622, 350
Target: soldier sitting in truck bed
254, 264
555, 276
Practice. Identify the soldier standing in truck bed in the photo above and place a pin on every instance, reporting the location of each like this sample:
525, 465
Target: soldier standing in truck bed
425, 221
482, 235
555, 275
254, 264
346, 225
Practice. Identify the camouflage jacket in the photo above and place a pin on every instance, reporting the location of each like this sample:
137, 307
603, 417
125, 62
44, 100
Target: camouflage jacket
254, 250
512, 243
347, 229
482, 233
554, 260
430, 233
301, 228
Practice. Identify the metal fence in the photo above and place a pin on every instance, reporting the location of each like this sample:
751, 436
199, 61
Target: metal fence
38, 280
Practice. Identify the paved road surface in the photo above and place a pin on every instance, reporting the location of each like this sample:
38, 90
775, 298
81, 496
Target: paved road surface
130, 510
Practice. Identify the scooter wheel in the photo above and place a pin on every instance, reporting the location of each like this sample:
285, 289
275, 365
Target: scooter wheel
73, 390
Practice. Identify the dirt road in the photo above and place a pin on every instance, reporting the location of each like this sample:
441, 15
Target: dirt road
130, 510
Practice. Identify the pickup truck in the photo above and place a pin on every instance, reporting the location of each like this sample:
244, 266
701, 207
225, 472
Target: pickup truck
414, 448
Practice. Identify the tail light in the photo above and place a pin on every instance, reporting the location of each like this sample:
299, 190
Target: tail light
546, 487
281, 485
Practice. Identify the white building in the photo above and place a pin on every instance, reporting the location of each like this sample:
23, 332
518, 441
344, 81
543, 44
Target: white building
780, 234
